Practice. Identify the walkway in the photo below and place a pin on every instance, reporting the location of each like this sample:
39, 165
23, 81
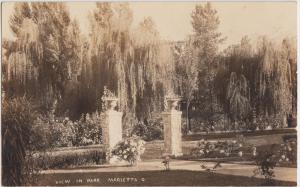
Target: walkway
281, 173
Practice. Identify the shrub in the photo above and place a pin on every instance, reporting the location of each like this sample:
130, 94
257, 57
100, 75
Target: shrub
62, 132
268, 158
148, 130
17, 131
129, 149
87, 130
266, 161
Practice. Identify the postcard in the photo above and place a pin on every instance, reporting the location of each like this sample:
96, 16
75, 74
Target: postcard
149, 93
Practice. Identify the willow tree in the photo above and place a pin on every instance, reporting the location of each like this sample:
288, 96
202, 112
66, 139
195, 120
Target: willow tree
42, 51
258, 80
22, 53
110, 48
275, 77
147, 65
124, 59
238, 96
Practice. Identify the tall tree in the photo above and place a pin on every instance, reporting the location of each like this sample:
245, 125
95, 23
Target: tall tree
43, 54
205, 22
186, 72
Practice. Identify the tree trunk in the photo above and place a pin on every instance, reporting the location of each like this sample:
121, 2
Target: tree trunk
187, 117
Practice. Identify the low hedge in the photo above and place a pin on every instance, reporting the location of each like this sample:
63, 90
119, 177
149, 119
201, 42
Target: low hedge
70, 159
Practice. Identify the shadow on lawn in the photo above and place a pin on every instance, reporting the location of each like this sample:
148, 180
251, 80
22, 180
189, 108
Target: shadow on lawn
152, 178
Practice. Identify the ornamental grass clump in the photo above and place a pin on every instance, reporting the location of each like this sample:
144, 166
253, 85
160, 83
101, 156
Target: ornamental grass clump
129, 149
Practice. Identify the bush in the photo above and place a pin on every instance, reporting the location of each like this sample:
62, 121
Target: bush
270, 157
148, 130
87, 130
17, 133
62, 132
266, 162
129, 149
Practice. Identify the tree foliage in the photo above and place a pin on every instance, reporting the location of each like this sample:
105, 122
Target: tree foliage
50, 61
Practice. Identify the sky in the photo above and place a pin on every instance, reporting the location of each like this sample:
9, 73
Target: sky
173, 19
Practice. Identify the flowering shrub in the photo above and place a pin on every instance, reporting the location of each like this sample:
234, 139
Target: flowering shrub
88, 130
62, 132
288, 152
150, 129
268, 158
129, 149
219, 149
266, 162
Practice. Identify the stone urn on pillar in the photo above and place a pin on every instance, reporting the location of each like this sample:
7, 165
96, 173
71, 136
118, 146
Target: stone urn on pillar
112, 125
172, 126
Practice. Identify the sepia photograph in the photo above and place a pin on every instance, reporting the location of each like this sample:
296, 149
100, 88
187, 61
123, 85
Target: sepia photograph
138, 93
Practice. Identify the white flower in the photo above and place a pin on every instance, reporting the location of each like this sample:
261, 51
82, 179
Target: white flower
240, 153
240, 145
287, 159
222, 151
125, 156
134, 144
283, 156
120, 151
234, 141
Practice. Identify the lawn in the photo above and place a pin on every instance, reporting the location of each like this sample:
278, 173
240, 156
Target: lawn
152, 178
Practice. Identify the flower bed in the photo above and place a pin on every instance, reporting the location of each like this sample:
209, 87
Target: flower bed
232, 134
220, 149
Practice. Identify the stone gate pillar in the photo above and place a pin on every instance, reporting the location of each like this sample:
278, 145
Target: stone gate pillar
112, 124
172, 127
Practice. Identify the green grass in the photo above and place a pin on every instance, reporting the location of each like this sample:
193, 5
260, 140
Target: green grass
153, 178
